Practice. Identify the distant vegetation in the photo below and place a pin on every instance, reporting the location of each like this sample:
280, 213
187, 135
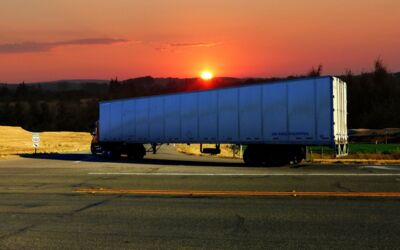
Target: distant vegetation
374, 98
15, 140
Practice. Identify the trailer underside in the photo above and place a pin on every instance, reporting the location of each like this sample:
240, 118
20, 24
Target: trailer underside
253, 155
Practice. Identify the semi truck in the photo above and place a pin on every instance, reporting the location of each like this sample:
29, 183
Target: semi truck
274, 121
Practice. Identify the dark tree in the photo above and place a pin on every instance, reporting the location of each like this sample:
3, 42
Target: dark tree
314, 72
4, 92
21, 91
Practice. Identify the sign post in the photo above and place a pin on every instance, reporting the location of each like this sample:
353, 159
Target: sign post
35, 141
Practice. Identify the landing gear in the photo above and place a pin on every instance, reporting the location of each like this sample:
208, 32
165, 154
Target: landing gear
273, 155
154, 148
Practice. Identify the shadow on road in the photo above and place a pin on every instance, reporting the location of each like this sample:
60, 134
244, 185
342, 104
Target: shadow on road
171, 162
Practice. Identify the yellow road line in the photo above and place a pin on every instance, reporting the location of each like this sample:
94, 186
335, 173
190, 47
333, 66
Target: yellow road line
234, 193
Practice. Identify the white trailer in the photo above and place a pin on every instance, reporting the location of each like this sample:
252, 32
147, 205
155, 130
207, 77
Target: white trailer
275, 120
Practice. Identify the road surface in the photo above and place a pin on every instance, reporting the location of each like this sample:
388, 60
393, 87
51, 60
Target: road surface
174, 201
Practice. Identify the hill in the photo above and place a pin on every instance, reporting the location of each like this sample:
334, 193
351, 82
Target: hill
60, 85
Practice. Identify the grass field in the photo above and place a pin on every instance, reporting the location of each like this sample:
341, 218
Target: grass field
358, 148
359, 153
15, 140
375, 148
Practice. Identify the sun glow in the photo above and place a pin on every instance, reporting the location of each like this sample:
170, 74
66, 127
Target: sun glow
207, 75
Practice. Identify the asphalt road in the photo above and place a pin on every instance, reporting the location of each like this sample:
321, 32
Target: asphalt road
77, 201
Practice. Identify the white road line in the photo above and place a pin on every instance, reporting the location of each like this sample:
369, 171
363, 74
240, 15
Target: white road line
237, 174
382, 167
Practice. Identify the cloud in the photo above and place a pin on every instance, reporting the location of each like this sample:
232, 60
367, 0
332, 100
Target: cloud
25, 47
173, 46
32, 47
194, 45
92, 41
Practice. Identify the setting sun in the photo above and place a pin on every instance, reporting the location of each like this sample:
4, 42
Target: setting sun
206, 75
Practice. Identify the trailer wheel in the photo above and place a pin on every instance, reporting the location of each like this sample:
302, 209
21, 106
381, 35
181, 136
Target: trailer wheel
247, 158
252, 156
93, 149
112, 153
136, 152
272, 155
276, 159
300, 155
283, 155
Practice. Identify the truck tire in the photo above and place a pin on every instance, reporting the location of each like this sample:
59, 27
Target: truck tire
273, 155
252, 156
247, 158
93, 149
281, 155
136, 151
112, 153
96, 149
300, 155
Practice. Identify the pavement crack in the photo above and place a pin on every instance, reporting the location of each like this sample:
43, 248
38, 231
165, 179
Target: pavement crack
153, 170
239, 227
86, 183
18, 231
32, 205
96, 204
341, 187
40, 185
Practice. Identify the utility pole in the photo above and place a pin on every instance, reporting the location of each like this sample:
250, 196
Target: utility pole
386, 132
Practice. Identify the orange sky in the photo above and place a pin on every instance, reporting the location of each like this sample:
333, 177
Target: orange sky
77, 39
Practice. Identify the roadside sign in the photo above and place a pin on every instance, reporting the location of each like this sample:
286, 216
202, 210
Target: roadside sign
35, 137
35, 141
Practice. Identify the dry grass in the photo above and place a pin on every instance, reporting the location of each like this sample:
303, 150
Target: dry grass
194, 149
358, 158
15, 140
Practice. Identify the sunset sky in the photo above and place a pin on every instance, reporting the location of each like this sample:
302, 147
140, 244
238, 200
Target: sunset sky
43, 40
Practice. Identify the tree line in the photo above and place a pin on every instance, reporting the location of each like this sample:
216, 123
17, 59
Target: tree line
373, 99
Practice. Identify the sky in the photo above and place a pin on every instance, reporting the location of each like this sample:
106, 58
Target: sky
43, 40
